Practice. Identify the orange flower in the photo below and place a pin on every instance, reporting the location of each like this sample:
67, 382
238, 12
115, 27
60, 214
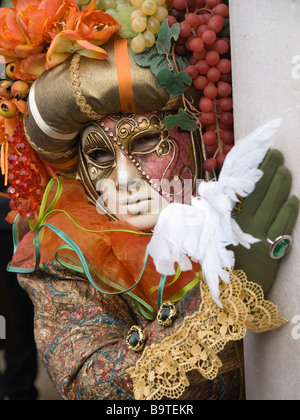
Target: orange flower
21, 34
31, 68
33, 26
84, 33
54, 15
21, 30
95, 26
58, 12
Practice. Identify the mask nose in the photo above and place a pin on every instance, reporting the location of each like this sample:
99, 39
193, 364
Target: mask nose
126, 175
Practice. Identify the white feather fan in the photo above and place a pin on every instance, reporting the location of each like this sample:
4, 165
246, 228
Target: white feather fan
202, 231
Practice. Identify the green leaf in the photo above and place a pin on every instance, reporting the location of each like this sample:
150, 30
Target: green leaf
150, 58
182, 120
175, 84
156, 62
182, 62
144, 58
165, 36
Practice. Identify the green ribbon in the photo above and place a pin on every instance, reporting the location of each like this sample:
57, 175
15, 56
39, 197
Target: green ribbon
179, 295
161, 288
84, 266
44, 214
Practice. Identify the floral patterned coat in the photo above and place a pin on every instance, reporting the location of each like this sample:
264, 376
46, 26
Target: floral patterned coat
81, 337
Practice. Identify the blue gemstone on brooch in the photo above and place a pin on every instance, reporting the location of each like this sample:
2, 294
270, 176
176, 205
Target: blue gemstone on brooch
167, 314
136, 339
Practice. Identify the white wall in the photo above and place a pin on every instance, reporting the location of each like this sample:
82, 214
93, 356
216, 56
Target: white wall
266, 81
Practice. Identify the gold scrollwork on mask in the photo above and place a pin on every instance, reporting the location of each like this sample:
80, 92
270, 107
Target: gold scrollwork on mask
99, 155
164, 147
128, 128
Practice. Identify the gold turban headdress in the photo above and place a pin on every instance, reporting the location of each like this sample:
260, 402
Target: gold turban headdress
66, 98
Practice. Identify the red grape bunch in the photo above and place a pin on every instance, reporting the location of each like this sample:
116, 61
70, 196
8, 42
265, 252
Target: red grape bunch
201, 26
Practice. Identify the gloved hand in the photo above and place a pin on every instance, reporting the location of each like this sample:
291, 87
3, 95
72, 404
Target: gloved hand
267, 213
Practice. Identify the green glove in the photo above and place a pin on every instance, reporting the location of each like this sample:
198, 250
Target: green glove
267, 213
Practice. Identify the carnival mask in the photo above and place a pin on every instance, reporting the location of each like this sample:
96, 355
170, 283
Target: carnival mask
137, 167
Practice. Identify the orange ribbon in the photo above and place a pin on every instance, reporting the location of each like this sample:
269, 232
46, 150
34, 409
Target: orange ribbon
4, 160
124, 76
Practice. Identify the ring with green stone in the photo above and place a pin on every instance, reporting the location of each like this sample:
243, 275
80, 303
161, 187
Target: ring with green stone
280, 247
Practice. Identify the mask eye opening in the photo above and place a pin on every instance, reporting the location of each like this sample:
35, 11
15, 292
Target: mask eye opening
101, 157
146, 143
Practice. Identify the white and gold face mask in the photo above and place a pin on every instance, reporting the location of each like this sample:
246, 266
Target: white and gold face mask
137, 167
